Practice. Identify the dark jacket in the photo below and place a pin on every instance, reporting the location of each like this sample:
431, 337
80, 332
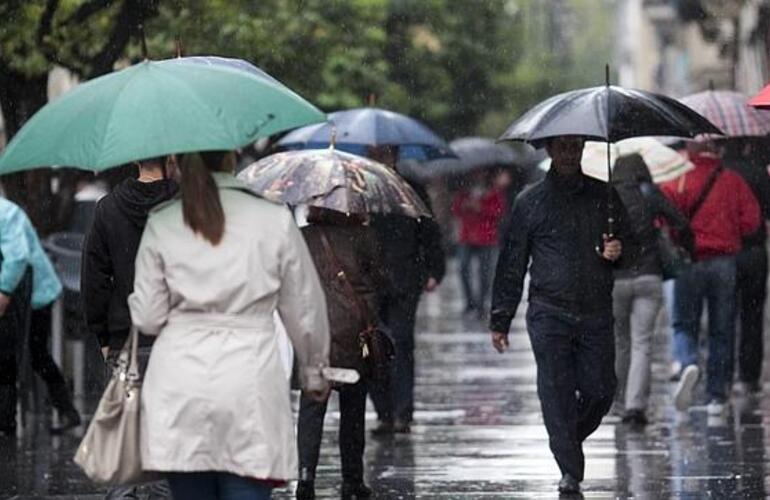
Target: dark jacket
753, 169
558, 224
411, 248
107, 272
359, 254
644, 203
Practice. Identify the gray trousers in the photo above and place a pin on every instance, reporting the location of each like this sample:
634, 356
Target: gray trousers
636, 304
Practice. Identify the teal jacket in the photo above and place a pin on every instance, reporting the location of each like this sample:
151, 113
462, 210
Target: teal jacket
19, 248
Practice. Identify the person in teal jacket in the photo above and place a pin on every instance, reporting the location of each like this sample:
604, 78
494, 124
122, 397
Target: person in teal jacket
29, 286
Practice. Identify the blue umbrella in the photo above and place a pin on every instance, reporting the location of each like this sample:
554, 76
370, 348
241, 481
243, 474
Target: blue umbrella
356, 129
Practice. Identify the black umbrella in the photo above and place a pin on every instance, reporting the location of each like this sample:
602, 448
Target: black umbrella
607, 113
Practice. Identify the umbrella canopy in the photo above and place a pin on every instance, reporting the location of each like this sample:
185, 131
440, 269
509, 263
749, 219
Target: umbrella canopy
761, 100
152, 109
357, 129
629, 113
663, 162
730, 111
481, 152
335, 180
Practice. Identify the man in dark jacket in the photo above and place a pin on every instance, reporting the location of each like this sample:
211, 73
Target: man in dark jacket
561, 224
414, 259
107, 276
749, 157
107, 273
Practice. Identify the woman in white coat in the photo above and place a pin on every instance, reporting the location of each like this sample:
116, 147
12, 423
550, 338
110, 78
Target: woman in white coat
211, 269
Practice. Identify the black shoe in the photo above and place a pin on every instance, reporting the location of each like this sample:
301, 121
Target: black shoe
383, 429
569, 485
351, 491
401, 427
69, 420
305, 490
635, 417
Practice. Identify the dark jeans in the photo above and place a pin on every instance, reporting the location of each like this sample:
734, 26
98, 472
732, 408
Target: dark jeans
39, 329
14, 325
351, 433
394, 399
575, 357
712, 280
476, 291
752, 292
216, 486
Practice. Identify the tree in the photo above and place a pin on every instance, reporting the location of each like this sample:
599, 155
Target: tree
86, 37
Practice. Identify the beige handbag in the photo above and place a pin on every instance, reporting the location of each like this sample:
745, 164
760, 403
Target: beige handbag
109, 452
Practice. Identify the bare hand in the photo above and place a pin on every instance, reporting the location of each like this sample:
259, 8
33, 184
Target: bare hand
5, 301
613, 248
319, 395
431, 285
500, 341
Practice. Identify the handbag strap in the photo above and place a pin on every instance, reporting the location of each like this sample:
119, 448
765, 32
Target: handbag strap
358, 303
128, 359
712, 179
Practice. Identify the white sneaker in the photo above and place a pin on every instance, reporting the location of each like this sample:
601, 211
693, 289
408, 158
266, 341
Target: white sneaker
683, 395
716, 408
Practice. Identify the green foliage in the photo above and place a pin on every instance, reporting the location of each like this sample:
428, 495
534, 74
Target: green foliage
463, 66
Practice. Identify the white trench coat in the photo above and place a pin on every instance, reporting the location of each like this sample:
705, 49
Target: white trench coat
215, 396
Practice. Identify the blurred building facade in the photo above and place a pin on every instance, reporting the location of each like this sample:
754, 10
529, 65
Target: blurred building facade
683, 46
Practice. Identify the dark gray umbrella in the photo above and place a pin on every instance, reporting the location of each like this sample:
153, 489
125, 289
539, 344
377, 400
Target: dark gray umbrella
481, 152
608, 113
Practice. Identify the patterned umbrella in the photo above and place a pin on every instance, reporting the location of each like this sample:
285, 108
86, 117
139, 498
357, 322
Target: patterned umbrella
335, 180
731, 112
663, 162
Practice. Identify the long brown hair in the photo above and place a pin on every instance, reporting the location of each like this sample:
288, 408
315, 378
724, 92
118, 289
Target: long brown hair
201, 207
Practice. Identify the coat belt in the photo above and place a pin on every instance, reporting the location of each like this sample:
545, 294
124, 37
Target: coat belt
217, 321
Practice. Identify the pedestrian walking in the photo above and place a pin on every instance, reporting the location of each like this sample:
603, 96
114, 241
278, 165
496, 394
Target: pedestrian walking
336, 239
638, 291
28, 287
561, 225
107, 271
211, 269
749, 158
722, 211
415, 262
479, 209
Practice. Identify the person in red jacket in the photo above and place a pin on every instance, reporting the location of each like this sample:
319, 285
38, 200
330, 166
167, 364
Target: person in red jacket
479, 210
722, 210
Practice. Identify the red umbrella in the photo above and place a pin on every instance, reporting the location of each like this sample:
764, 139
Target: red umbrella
761, 100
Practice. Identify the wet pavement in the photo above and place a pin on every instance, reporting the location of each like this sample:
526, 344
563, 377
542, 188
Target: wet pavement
479, 434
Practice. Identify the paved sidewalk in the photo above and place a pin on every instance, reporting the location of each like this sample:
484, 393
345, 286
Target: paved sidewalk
479, 434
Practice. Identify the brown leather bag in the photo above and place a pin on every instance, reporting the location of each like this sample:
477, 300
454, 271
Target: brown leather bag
377, 348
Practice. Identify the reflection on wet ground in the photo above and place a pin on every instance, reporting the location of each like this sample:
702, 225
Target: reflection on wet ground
479, 434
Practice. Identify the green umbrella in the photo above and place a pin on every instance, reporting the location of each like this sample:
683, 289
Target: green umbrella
155, 108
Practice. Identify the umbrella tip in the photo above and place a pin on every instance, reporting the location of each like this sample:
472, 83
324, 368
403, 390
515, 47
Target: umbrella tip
371, 99
711, 84
607, 74
179, 51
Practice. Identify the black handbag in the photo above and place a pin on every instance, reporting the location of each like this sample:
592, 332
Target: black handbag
674, 258
377, 348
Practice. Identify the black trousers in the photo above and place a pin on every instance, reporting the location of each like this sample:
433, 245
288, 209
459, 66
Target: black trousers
14, 325
394, 399
352, 436
576, 382
752, 283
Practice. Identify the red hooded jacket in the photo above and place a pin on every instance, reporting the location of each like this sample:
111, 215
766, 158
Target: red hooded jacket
729, 213
479, 220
